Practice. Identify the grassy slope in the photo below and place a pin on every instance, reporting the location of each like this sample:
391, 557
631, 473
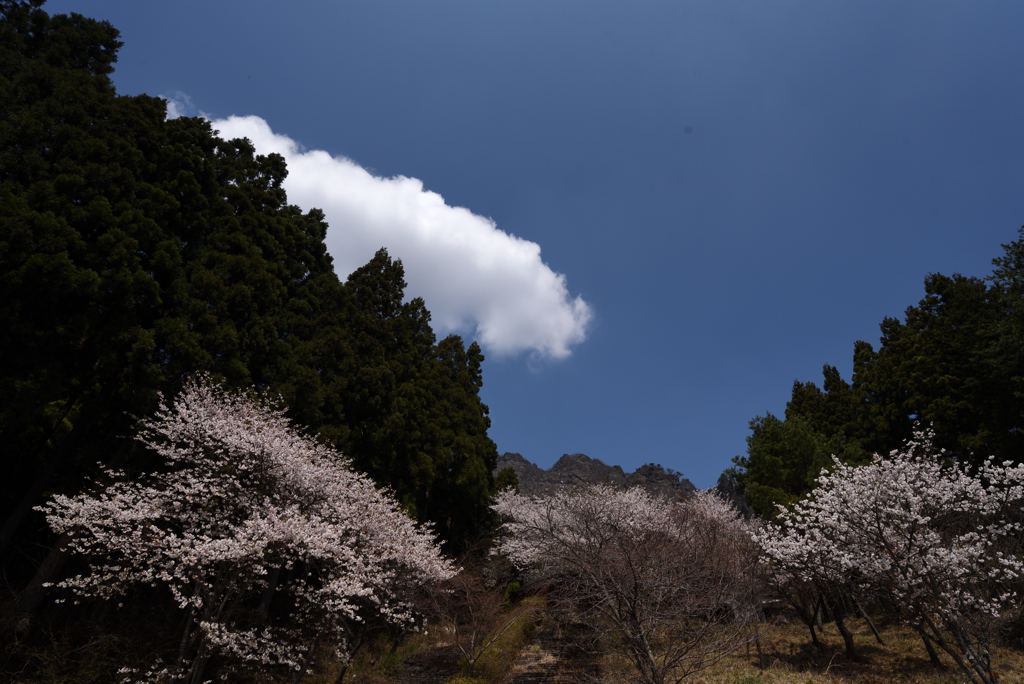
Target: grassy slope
789, 658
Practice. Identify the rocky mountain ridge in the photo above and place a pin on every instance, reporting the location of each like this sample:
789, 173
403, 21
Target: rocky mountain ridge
580, 469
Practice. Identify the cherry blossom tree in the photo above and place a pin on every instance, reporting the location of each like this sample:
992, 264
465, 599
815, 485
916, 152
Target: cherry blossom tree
247, 512
920, 530
668, 586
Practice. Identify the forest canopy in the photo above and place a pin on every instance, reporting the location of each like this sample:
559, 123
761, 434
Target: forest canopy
137, 251
954, 364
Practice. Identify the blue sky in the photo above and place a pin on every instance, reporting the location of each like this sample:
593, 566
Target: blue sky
734, 192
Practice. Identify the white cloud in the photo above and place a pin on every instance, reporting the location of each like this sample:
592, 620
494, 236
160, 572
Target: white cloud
178, 104
473, 277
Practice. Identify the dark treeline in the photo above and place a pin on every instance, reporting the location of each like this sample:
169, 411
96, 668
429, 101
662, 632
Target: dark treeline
955, 364
136, 251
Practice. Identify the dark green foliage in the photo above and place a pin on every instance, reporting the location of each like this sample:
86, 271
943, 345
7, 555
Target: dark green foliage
832, 410
135, 251
414, 417
506, 479
1008, 285
784, 458
954, 364
80, 253
941, 367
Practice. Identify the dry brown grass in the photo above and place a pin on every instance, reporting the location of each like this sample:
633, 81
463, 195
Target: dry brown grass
502, 654
375, 663
789, 658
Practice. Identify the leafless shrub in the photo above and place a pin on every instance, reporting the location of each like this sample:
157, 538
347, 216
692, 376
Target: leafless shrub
474, 616
671, 587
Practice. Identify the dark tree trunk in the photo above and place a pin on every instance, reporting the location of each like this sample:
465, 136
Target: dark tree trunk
199, 666
867, 618
33, 595
32, 495
268, 593
187, 638
306, 661
351, 655
837, 614
814, 635
932, 655
807, 611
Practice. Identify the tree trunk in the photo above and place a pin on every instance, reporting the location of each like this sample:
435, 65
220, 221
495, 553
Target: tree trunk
306, 661
186, 637
837, 614
199, 666
33, 595
351, 657
268, 593
867, 619
977, 654
806, 611
814, 636
31, 496
955, 652
932, 655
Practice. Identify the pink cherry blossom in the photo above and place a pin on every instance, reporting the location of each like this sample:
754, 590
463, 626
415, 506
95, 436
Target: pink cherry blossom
247, 508
920, 530
671, 587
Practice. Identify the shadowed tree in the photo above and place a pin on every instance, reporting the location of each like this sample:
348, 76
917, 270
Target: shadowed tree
784, 459
670, 587
413, 408
953, 363
136, 250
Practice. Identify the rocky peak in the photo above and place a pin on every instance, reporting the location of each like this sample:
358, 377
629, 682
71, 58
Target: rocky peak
580, 469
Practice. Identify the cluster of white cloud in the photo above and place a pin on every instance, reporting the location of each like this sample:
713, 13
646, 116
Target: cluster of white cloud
474, 277
178, 104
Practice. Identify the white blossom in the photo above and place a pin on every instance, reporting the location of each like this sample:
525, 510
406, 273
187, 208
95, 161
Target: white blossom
669, 586
245, 497
919, 529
